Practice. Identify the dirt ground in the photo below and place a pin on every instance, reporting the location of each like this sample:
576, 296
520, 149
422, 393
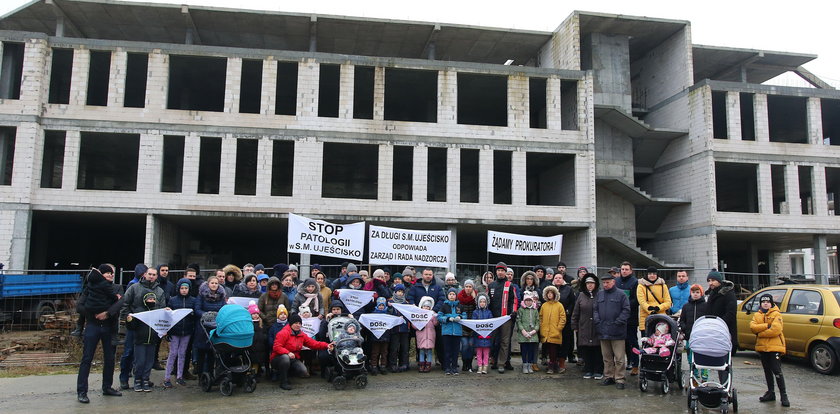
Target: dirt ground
433, 392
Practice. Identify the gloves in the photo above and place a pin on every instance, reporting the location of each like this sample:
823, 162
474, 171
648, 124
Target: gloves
457, 319
653, 308
451, 319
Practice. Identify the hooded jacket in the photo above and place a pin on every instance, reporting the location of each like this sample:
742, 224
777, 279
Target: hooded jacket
552, 318
611, 314
583, 317
206, 302
535, 288
237, 276
450, 309
690, 312
426, 337
722, 303
767, 326
186, 326
133, 299
680, 293
652, 294
483, 313
268, 305
316, 303
143, 333
527, 319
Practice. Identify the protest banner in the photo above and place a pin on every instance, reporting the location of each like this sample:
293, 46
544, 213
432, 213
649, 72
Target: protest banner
378, 323
244, 302
522, 245
416, 316
484, 327
310, 326
322, 238
408, 247
355, 299
162, 320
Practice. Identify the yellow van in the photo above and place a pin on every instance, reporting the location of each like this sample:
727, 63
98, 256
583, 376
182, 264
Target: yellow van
811, 315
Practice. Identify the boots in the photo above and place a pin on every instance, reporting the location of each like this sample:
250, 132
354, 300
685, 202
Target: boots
785, 402
561, 365
780, 380
768, 396
535, 367
421, 367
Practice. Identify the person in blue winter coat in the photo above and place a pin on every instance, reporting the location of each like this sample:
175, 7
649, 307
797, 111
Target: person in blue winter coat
179, 335
449, 315
379, 346
426, 286
482, 343
680, 293
211, 298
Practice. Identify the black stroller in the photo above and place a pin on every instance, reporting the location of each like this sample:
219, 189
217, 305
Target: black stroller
230, 333
663, 369
348, 355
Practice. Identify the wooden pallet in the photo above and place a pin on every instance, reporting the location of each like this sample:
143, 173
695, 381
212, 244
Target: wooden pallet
22, 359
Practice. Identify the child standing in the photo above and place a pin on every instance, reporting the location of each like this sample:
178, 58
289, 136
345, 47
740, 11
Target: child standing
281, 320
693, 309
527, 326
449, 316
426, 338
482, 343
552, 322
258, 350
766, 324
379, 346
399, 343
179, 335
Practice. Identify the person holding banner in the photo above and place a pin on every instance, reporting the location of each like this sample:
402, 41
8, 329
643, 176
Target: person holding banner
426, 337
552, 321
482, 343
466, 297
503, 301
449, 315
143, 296
379, 346
400, 335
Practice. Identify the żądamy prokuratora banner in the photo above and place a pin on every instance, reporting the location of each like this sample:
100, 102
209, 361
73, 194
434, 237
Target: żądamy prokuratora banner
390, 246
523, 245
322, 238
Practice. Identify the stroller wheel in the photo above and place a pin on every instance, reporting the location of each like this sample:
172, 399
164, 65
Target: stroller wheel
734, 400
226, 386
666, 385
250, 384
339, 382
205, 382
643, 385
361, 381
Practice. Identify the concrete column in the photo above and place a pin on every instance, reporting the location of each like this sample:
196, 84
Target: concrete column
379, 93
268, 92
34, 85
762, 125
820, 259
227, 171
386, 176
552, 111
265, 151
792, 189
157, 80
453, 248
733, 115
72, 147
15, 222
453, 175
233, 84
517, 178
447, 97
192, 150
819, 191
485, 175
765, 189
346, 88
308, 78
26, 160
309, 154
150, 162
116, 77
304, 268
151, 233
79, 77
815, 129
518, 107
421, 179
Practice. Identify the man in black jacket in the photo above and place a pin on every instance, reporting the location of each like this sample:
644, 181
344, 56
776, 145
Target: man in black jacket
722, 303
503, 301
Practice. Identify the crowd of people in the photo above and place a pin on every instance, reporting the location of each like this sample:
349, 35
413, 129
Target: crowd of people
555, 317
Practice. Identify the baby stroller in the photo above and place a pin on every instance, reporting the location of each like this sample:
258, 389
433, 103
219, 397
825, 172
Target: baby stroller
230, 333
656, 367
348, 355
711, 345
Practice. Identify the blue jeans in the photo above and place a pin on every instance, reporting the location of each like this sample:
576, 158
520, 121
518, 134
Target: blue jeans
127, 359
425, 355
144, 358
467, 350
94, 333
528, 351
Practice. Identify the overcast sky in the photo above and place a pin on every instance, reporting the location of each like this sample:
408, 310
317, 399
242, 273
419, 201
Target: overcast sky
804, 26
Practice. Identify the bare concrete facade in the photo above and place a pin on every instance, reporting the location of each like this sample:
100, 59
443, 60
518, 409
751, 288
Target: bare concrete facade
193, 138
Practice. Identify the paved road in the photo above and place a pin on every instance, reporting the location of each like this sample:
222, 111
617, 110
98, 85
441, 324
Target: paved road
412, 392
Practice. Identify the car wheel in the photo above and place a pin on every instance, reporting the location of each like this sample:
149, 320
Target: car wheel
823, 358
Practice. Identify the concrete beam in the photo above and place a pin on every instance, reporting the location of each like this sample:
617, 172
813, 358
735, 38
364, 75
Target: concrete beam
739, 67
313, 33
430, 47
64, 21
811, 78
191, 37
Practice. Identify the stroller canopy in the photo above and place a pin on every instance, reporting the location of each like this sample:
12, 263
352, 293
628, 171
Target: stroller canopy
710, 336
233, 327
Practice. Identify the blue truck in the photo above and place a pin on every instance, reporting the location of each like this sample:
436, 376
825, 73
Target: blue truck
27, 297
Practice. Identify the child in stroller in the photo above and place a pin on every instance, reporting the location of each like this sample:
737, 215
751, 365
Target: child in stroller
660, 342
660, 360
349, 345
348, 353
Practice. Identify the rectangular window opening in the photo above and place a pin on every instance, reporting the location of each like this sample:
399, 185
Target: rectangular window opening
537, 102
197, 83
287, 82
482, 99
410, 95
52, 164
736, 187
99, 74
747, 116
245, 180
777, 177
108, 161
830, 109
788, 119
832, 189
719, 115
250, 86
7, 154
328, 90
469, 175
136, 73
403, 173
209, 165
363, 81
282, 167
350, 171
436, 175
806, 195
502, 180
550, 179
61, 71
569, 105
11, 70
172, 174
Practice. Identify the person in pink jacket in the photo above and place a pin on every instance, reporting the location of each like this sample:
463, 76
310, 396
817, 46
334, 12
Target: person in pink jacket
426, 338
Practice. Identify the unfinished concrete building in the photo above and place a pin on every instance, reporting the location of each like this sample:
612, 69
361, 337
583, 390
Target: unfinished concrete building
182, 134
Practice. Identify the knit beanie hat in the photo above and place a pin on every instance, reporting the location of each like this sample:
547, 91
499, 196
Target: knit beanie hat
766, 297
140, 269
469, 282
451, 290
399, 286
351, 268
714, 274
252, 307
295, 319
105, 268
282, 310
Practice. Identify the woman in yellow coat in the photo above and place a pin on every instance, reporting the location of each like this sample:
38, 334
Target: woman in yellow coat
552, 321
770, 345
653, 296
